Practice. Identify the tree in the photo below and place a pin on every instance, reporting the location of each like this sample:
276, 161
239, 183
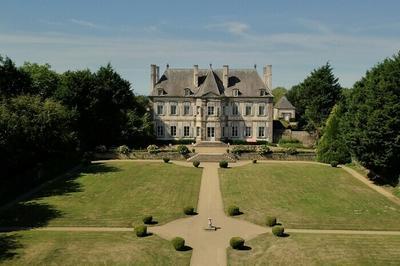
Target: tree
332, 146
45, 81
278, 92
315, 97
373, 118
13, 81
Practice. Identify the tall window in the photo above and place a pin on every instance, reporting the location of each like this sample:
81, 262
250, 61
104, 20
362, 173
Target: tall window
235, 93
173, 109
235, 109
186, 109
248, 109
160, 109
261, 131
198, 131
247, 132
173, 131
234, 131
160, 130
223, 131
210, 110
261, 110
186, 131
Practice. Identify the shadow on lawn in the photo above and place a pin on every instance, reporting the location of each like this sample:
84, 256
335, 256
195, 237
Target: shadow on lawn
8, 246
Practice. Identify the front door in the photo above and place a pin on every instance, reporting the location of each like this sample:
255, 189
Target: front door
211, 133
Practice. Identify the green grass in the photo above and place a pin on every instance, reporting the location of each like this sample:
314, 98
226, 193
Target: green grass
314, 249
87, 248
111, 194
307, 196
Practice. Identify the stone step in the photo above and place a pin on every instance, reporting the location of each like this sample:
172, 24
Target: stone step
210, 144
212, 157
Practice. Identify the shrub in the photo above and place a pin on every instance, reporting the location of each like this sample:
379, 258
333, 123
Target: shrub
254, 161
193, 150
152, 149
178, 243
264, 150
87, 158
166, 159
123, 149
334, 163
291, 151
237, 242
196, 163
188, 210
182, 149
141, 230
270, 221
148, 219
100, 148
278, 230
223, 164
233, 210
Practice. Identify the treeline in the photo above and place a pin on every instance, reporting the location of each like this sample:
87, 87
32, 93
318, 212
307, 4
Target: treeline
48, 119
360, 123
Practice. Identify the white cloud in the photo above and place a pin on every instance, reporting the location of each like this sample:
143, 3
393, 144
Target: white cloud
87, 24
234, 27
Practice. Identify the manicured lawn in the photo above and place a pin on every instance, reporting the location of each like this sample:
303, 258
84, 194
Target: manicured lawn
111, 194
307, 196
314, 249
89, 248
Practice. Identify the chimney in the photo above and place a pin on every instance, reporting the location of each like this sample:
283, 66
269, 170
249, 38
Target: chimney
196, 75
157, 74
225, 75
268, 76
153, 76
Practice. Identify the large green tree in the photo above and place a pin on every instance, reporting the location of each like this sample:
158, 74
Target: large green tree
373, 118
13, 81
278, 92
44, 81
315, 97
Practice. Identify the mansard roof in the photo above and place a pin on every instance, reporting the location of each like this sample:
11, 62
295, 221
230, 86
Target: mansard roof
284, 103
174, 81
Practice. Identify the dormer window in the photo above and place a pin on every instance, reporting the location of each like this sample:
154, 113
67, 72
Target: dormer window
235, 92
187, 92
160, 92
263, 92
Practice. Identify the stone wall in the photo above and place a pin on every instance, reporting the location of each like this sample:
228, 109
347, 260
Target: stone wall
309, 156
144, 155
305, 137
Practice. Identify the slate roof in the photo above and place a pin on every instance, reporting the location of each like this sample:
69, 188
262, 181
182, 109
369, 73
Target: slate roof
284, 103
174, 81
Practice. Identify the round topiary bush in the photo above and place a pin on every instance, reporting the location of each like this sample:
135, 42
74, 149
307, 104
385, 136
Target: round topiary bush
148, 219
270, 221
152, 149
223, 164
278, 230
196, 163
237, 242
141, 230
254, 161
123, 149
263, 150
166, 160
178, 243
182, 149
233, 210
188, 210
334, 163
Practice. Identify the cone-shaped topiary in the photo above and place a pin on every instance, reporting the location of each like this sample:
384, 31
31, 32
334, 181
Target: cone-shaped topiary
148, 219
278, 230
233, 210
141, 230
237, 242
178, 243
270, 221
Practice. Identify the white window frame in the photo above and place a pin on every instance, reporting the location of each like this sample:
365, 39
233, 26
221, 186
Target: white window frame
173, 106
160, 130
187, 92
235, 131
160, 109
263, 108
235, 92
261, 133
212, 108
263, 92
246, 109
198, 130
247, 132
186, 109
186, 134
173, 131
235, 109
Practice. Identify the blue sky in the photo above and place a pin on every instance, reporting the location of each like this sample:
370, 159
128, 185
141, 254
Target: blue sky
294, 36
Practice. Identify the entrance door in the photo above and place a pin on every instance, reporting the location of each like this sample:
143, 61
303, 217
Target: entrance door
211, 133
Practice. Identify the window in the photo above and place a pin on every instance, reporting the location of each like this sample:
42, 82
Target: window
160, 109
187, 92
235, 109
234, 131
263, 92
173, 109
235, 93
160, 92
173, 131
248, 110
261, 110
261, 132
210, 110
247, 132
198, 131
186, 109
225, 109
186, 131
160, 130
223, 131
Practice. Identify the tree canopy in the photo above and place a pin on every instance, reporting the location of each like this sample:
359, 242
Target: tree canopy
278, 92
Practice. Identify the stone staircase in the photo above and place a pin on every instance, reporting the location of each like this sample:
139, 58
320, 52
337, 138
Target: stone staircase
210, 144
212, 157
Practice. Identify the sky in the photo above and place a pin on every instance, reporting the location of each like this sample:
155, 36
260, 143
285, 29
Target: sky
295, 37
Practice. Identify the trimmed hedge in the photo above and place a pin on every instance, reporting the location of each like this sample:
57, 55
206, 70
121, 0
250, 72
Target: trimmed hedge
233, 210
141, 231
278, 230
270, 221
166, 160
223, 164
237, 242
148, 219
196, 163
188, 210
178, 243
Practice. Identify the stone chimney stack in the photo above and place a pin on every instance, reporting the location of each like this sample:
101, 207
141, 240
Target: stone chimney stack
225, 75
153, 76
196, 75
157, 73
268, 76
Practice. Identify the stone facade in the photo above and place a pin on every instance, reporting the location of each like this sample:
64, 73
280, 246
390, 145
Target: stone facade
212, 105
283, 109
